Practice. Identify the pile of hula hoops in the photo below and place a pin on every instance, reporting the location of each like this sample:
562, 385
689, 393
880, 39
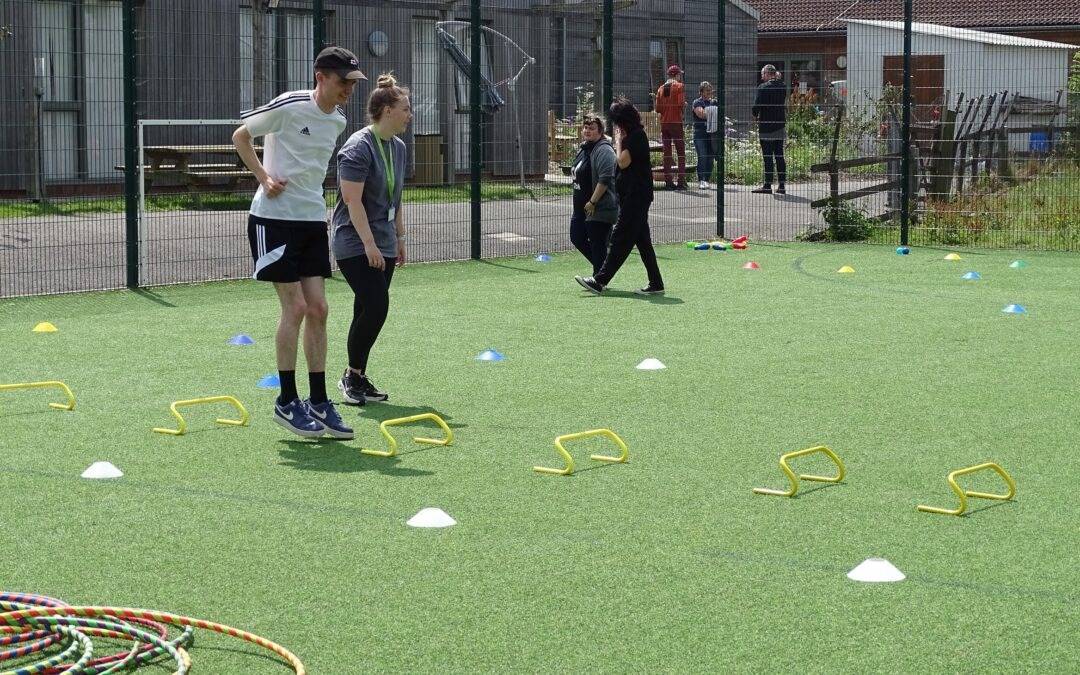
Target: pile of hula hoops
44, 635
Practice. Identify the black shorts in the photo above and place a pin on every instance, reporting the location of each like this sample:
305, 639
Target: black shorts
286, 251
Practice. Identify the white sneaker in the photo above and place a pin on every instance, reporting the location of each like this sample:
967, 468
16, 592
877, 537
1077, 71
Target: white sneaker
703, 185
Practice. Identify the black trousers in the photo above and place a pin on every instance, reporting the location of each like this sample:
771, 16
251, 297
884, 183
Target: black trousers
591, 238
772, 150
371, 303
632, 229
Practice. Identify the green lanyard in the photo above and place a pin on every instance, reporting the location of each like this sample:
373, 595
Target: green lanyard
389, 167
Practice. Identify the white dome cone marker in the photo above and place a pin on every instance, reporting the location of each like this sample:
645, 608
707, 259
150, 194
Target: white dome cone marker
431, 517
876, 570
102, 470
651, 364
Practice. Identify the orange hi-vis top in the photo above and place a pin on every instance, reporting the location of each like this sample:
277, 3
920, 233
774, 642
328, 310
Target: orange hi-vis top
671, 108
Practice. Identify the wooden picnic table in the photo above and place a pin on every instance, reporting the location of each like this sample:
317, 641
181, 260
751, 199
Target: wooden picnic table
194, 166
180, 156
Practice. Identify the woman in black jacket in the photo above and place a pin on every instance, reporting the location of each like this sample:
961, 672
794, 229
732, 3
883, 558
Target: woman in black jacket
595, 206
634, 187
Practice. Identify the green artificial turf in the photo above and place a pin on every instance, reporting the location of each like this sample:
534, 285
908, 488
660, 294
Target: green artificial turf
668, 563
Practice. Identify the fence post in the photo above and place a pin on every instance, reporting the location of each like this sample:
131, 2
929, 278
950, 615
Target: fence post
131, 152
608, 55
476, 147
720, 149
905, 161
318, 26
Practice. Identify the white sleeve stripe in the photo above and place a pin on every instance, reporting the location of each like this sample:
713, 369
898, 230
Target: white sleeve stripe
272, 106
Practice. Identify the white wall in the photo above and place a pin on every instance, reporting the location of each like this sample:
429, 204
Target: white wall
973, 68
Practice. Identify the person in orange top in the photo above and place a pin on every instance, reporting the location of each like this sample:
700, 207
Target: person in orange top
671, 104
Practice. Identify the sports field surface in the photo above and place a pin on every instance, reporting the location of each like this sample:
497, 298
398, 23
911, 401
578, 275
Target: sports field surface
666, 563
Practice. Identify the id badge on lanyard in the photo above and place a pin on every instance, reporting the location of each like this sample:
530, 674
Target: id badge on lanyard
388, 165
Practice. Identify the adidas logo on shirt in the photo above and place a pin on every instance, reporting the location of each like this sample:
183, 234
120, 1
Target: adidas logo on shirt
305, 131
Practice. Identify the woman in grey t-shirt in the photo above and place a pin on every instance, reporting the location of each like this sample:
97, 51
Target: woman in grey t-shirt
369, 230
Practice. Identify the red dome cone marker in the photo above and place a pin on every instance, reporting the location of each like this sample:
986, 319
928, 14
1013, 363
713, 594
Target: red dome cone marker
751, 266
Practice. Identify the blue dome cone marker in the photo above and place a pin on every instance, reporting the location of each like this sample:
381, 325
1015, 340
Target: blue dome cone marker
903, 250
543, 257
1015, 309
490, 355
271, 381
241, 339
971, 276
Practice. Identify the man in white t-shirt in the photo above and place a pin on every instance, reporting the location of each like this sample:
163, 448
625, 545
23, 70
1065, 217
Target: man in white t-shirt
287, 227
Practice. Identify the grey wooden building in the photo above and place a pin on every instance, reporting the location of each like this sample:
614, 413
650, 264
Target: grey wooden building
61, 83
649, 36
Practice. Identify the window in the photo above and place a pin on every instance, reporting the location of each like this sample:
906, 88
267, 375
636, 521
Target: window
663, 52
801, 74
78, 78
288, 48
805, 76
424, 86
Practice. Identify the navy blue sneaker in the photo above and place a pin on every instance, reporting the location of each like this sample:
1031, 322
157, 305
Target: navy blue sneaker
327, 415
295, 417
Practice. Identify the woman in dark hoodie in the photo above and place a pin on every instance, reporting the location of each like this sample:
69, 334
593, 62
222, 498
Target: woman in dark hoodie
595, 206
634, 188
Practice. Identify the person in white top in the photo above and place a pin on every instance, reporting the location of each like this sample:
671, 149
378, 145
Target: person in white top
287, 227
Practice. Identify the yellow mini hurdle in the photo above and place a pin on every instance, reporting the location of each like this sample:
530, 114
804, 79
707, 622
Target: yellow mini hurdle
569, 469
51, 384
392, 444
242, 422
794, 478
964, 494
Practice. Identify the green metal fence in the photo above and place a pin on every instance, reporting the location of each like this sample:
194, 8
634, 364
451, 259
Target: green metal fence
915, 122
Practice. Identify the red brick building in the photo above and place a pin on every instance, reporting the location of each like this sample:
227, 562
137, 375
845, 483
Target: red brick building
807, 39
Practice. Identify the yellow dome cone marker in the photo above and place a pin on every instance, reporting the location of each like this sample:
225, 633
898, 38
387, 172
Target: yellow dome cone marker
953, 256
846, 269
45, 327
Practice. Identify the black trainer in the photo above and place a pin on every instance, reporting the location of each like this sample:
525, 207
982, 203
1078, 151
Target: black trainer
781, 190
650, 290
371, 393
764, 190
590, 284
352, 388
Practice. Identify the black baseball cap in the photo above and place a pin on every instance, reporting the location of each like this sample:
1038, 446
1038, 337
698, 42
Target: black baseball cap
341, 61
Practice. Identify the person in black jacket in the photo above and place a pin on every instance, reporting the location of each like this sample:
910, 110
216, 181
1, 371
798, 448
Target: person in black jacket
634, 186
595, 206
770, 111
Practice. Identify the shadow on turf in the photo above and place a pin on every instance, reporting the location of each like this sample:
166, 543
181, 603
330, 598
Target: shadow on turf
345, 457
153, 297
330, 456
651, 299
509, 267
251, 652
990, 505
380, 412
822, 486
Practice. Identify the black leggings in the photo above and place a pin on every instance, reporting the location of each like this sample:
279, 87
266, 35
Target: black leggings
371, 302
632, 229
591, 238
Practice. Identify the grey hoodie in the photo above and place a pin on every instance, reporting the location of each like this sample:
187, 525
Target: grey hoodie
602, 160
